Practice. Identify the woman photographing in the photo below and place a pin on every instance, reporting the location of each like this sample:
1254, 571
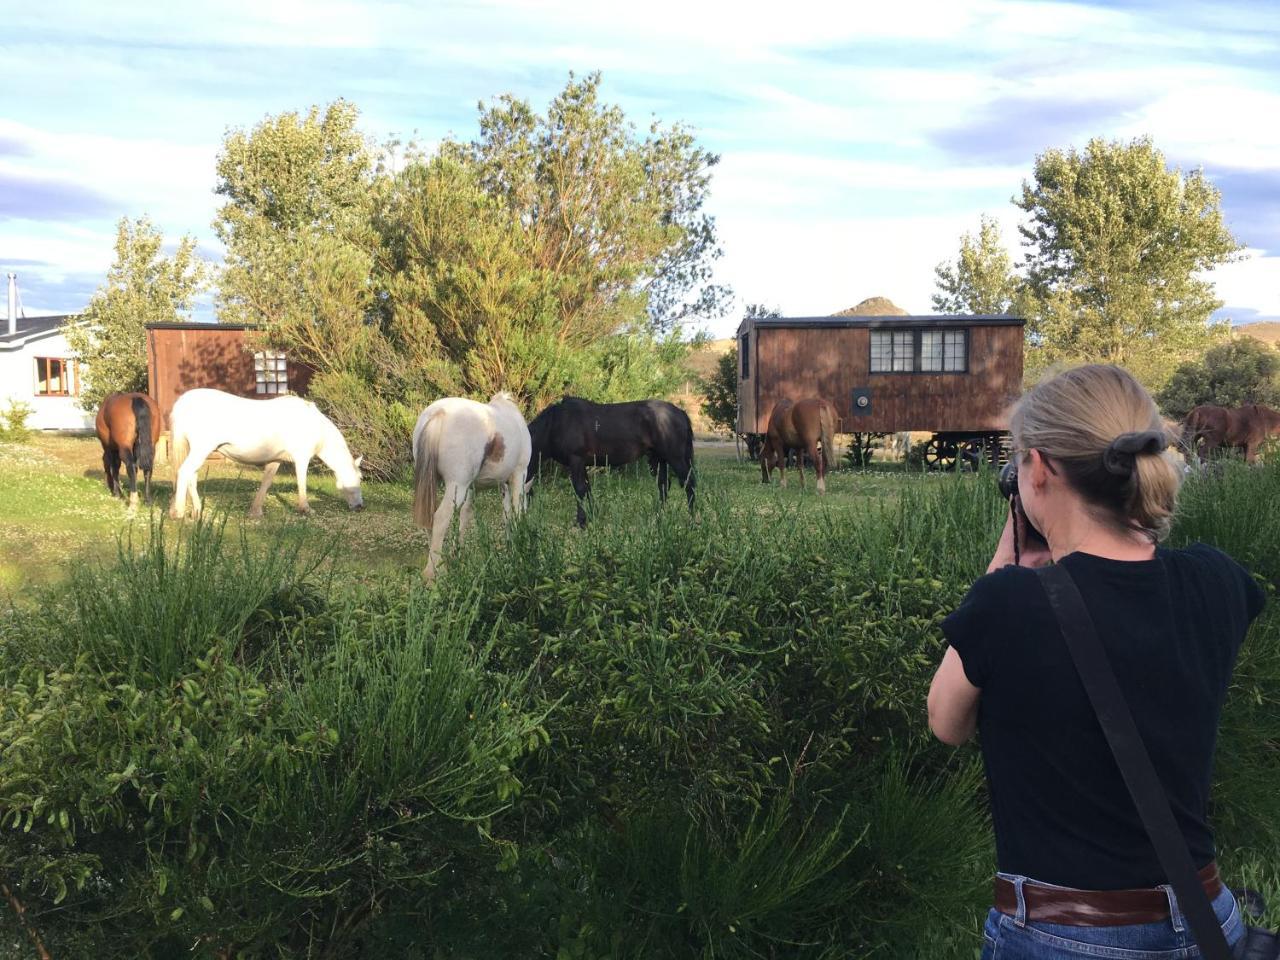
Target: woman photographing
1078, 876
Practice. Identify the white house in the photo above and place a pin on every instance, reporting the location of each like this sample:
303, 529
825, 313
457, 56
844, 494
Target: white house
38, 368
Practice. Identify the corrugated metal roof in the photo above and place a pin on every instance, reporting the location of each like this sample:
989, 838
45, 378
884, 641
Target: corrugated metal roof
182, 325
893, 320
30, 328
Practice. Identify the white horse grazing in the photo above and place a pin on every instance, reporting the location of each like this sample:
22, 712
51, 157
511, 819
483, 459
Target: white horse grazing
264, 433
466, 444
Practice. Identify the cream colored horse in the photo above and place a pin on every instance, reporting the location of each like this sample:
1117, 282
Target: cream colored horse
262, 433
466, 444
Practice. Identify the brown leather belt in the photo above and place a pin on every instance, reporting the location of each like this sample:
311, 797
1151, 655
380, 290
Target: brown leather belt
1094, 908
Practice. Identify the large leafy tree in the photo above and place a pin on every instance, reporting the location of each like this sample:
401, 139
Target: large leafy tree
297, 224
549, 254
618, 217
1234, 373
143, 286
1117, 248
981, 279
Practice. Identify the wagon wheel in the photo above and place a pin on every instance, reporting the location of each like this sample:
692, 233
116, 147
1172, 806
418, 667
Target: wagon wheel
940, 454
973, 453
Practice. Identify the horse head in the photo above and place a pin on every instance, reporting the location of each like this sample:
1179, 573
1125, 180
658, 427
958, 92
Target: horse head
346, 469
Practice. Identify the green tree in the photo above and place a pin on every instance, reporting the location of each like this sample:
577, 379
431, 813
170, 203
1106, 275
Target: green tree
981, 278
617, 217
1118, 244
720, 389
1240, 371
720, 392
143, 286
550, 254
297, 224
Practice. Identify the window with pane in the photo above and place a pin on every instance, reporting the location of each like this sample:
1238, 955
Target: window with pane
892, 351
271, 372
53, 377
943, 351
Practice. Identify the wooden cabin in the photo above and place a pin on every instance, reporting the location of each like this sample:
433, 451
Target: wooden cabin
953, 376
183, 356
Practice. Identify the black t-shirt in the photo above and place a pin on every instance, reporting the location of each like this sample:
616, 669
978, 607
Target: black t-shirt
1172, 627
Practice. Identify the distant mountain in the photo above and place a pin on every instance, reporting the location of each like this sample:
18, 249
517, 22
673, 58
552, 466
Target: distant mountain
1268, 331
873, 307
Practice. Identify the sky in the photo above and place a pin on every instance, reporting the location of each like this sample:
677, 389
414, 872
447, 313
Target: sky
858, 140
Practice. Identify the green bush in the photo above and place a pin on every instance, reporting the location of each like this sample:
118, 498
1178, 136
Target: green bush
653, 737
13, 422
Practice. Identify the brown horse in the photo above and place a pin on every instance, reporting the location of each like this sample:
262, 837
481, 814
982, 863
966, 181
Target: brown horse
1209, 428
800, 424
128, 426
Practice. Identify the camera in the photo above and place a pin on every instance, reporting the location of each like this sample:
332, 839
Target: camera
1007, 480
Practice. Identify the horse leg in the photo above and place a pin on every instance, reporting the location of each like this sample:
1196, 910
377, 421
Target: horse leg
581, 487
684, 473
300, 467
663, 481
111, 468
131, 465
765, 452
268, 475
186, 483
819, 465
454, 494
466, 516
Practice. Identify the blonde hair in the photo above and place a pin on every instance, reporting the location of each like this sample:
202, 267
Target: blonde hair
1100, 428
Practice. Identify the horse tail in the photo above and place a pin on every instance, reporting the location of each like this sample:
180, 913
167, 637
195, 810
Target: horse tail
827, 433
144, 448
426, 493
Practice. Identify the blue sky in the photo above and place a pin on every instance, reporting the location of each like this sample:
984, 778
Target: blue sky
858, 140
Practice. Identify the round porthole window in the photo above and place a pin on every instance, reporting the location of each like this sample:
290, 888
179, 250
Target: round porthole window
863, 401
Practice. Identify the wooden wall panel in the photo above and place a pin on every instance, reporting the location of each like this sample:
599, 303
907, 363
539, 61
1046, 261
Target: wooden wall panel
182, 358
832, 362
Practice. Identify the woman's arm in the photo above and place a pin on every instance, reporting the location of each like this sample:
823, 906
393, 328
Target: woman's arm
953, 702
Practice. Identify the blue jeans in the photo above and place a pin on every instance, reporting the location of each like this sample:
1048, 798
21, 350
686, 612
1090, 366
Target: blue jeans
1005, 938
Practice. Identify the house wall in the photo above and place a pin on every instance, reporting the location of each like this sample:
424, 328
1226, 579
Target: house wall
795, 362
183, 357
18, 382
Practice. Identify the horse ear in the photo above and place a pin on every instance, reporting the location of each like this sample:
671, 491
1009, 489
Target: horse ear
359, 460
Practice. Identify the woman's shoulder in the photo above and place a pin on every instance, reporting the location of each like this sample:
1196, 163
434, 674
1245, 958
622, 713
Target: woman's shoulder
1008, 584
1221, 569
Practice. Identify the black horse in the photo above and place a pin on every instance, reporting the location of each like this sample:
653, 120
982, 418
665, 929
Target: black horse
578, 433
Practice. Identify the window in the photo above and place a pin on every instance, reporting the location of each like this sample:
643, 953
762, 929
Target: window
53, 377
892, 351
744, 351
944, 351
923, 351
271, 372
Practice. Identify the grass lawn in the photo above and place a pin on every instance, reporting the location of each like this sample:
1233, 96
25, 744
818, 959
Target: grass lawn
56, 510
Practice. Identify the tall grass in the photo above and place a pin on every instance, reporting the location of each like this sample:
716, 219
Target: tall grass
659, 736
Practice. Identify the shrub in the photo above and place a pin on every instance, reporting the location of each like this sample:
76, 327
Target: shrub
650, 738
13, 421
1241, 371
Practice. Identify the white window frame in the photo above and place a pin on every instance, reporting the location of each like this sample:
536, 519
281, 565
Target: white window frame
270, 373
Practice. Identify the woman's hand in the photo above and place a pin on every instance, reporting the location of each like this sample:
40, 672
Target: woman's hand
1034, 551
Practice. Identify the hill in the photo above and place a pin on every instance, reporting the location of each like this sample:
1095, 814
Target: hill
1266, 331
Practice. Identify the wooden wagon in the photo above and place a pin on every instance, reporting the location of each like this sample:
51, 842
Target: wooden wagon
953, 377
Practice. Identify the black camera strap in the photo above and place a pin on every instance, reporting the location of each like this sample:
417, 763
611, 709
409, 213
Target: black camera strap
1081, 636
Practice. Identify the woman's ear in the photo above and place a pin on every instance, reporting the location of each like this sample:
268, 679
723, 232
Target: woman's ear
1038, 469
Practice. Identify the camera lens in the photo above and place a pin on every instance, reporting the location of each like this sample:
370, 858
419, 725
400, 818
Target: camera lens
1008, 479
